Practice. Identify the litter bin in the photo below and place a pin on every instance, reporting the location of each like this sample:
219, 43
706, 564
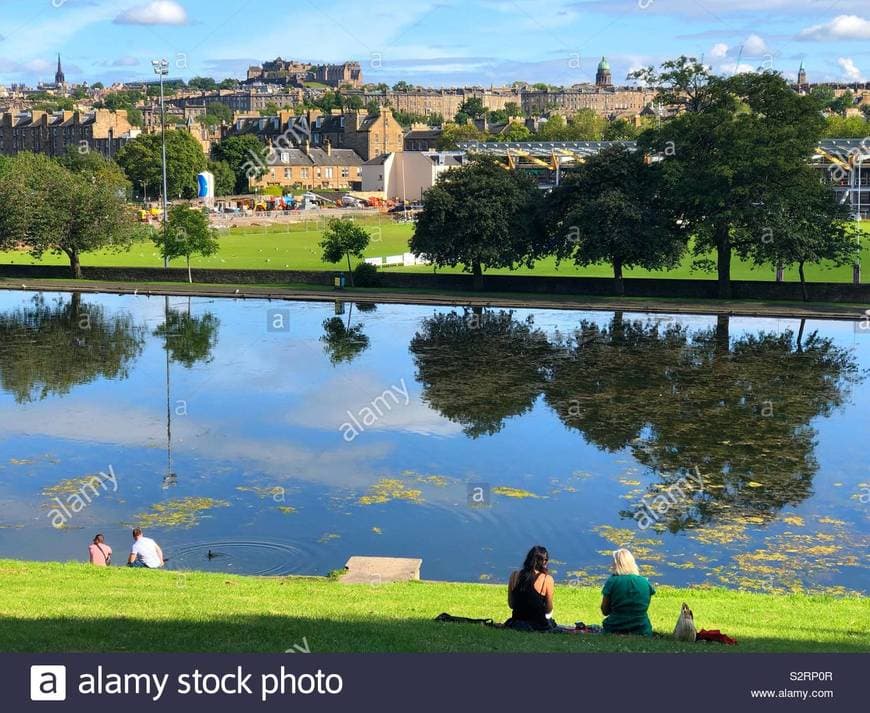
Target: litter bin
339, 281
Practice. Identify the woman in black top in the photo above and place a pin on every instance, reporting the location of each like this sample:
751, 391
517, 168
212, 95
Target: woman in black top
530, 593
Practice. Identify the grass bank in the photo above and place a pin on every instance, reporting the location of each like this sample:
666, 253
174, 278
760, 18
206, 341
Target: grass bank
295, 246
53, 607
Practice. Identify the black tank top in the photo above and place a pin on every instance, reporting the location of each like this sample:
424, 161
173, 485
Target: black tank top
530, 605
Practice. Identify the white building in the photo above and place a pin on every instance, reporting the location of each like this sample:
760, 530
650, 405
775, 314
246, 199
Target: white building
406, 175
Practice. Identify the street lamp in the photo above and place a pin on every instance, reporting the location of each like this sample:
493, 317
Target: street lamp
161, 68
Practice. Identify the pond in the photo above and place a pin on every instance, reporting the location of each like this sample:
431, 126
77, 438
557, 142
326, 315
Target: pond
273, 437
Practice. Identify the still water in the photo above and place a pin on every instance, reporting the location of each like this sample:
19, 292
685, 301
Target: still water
282, 437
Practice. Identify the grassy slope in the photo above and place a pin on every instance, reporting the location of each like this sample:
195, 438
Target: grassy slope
74, 607
296, 247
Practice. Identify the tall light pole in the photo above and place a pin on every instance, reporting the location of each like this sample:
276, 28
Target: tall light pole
161, 68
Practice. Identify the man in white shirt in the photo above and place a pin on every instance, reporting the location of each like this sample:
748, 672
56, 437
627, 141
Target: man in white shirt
145, 553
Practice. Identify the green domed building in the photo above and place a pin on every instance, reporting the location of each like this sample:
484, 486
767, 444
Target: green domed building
603, 78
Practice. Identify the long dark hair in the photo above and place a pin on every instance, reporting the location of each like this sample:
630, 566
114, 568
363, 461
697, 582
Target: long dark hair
536, 563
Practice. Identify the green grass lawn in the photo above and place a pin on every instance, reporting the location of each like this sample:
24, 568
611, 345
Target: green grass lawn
52, 607
296, 247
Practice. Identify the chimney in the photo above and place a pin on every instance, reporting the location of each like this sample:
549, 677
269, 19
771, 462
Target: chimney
328, 146
307, 147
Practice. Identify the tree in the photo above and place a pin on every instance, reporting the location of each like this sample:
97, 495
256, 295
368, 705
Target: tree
229, 83
245, 155
141, 159
497, 116
513, 109
586, 125
681, 82
49, 347
202, 83
804, 223
479, 215
352, 102
620, 130
342, 239
472, 108
402, 86
452, 134
218, 113
224, 178
515, 132
612, 209
187, 233
743, 139
49, 208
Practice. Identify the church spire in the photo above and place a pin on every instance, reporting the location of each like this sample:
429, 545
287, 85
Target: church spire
58, 76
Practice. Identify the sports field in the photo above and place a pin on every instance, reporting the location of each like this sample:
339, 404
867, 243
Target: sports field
295, 247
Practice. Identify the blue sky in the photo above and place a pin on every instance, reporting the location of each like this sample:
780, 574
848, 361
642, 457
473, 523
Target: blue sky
438, 42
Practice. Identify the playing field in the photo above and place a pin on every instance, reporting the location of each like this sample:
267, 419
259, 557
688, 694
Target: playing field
295, 247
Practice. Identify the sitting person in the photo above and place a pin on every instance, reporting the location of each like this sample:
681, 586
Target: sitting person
99, 553
530, 593
626, 598
145, 553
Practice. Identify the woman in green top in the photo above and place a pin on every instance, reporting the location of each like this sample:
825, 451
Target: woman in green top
626, 598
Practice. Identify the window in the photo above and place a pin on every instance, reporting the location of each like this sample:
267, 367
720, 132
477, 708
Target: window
285, 157
286, 173
345, 172
304, 170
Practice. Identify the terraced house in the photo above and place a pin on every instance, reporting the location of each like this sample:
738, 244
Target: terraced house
311, 168
53, 134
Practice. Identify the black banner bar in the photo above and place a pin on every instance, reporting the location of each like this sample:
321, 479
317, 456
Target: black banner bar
709, 682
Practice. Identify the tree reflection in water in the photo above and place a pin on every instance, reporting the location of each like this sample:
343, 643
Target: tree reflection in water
739, 411
49, 347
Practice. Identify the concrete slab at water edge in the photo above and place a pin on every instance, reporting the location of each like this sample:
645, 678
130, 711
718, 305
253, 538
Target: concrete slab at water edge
381, 570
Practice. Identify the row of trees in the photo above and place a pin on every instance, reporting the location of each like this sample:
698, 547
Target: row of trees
79, 204
728, 176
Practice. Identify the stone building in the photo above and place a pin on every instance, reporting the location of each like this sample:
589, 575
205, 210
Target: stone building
446, 102
52, 134
368, 135
603, 101
311, 168
282, 71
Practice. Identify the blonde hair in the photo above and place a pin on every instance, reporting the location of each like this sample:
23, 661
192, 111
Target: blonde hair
623, 562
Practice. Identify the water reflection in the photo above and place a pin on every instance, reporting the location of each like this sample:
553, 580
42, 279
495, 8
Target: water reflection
580, 418
51, 346
480, 367
342, 341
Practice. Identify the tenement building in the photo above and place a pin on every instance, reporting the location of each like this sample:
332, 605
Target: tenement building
42, 132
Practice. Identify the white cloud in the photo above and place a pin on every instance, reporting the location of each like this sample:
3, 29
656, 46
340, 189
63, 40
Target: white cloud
734, 68
852, 73
842, 27
719, 51
755, 46
158, 12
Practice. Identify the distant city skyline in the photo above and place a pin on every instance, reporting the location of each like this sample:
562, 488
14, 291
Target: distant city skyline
432, 42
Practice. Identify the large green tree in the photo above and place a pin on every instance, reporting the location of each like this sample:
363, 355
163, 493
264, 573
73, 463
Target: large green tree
479, 215
50, 208
245, 155
741, 140
612, 209
804, 223
141, 159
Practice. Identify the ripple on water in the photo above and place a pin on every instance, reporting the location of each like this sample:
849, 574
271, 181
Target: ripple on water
258, 557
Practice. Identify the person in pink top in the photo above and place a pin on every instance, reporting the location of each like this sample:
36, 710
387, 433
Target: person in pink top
99, 553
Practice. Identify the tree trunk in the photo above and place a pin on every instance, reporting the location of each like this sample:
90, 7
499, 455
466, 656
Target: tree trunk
803, 281
477, 275
800, 336
189, 275
618, 284
74, 264
723, 260
349, 271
